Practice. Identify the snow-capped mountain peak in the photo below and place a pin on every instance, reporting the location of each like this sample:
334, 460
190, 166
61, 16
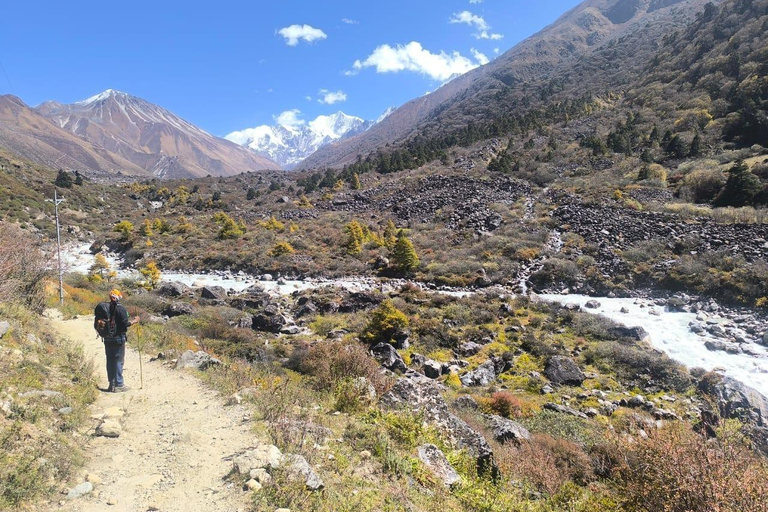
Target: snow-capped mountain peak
291, 142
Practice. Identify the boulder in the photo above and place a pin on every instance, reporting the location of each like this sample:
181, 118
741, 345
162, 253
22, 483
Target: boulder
213, 292
632, 333
261, 457
197, 360
359, 301
80, 490
423, 397
481, 376
179, 308
466, 402
109, 427
505, 430
592, 304
561, 370
386, 354
438, 464
298, 467
4, 328
432, 369
736, 400
468, 349
173, 289
564, 409
269, 323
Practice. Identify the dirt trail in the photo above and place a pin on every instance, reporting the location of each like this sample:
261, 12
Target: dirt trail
177, 438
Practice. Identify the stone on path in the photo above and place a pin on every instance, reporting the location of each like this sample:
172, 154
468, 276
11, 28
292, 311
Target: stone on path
80, 490
109, 428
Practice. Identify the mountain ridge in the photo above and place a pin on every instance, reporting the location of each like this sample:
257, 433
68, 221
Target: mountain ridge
289, 145
151, 137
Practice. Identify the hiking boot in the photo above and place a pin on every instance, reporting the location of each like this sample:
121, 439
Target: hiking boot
120, 389
111, 388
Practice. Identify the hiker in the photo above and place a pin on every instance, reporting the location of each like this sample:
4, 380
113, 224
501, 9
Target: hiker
111, 321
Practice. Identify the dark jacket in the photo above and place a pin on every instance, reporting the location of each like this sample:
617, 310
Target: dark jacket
107, 309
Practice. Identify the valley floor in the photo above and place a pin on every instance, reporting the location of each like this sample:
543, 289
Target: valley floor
176, 442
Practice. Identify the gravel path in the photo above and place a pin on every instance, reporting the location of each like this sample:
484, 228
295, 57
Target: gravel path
176, 442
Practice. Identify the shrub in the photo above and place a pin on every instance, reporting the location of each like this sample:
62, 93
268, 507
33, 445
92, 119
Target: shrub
332, 362
22, 268
124, 227
678, 470
506, 404
385, 324
280, 249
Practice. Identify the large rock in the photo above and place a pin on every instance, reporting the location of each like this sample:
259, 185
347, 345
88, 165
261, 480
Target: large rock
4, 328
109, 427
564, 409
505, 430
435, 460
386, 354
298, 467
481, 376
263, 456
213, 292
197, 360
736, 400
469, 348
424, 398
358, 301
269, 323
632, 333
80, 490
563, 370
432, 369
173, 289
179, 308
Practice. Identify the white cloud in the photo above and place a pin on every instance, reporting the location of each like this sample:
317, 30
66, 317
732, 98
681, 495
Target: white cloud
349, 21
308, 98
290, 119
329, 98
413, 57
475, 1
478, 22
496, 51
295, 33
480, 57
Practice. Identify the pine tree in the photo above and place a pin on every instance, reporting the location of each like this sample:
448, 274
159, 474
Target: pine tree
404, 256
355, 182
355, 238
63, 179
386, 322
251, 194
390, 234
695, 149
740, 188
146, 228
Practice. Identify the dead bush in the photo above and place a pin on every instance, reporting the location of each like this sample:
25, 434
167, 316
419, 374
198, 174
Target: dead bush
331, 362
677, 470
546, 463
22, 268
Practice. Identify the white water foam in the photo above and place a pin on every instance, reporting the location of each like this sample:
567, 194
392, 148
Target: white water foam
669, 332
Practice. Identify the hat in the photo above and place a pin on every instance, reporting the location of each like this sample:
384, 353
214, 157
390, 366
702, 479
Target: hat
115, 294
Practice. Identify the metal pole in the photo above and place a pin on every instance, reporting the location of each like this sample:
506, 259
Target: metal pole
56, 202
58, 245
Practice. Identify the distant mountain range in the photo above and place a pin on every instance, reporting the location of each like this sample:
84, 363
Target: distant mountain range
114, 132
289, 145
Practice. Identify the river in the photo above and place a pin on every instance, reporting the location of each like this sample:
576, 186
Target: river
668, 331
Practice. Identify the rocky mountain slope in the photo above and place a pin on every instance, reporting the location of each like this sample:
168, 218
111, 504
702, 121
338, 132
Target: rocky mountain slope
551, 55
289, 145
24, 132
150, 137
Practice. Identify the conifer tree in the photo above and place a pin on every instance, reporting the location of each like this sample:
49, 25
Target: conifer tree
390, 234
404, 256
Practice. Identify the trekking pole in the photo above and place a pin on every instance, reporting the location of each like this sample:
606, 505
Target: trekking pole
139, 333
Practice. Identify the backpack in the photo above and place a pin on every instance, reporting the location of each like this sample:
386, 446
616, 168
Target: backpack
104, 321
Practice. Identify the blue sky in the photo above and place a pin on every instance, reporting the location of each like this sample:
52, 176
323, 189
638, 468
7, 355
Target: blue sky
232, 65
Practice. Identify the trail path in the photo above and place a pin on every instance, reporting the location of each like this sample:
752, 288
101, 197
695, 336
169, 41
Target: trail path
175, 444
